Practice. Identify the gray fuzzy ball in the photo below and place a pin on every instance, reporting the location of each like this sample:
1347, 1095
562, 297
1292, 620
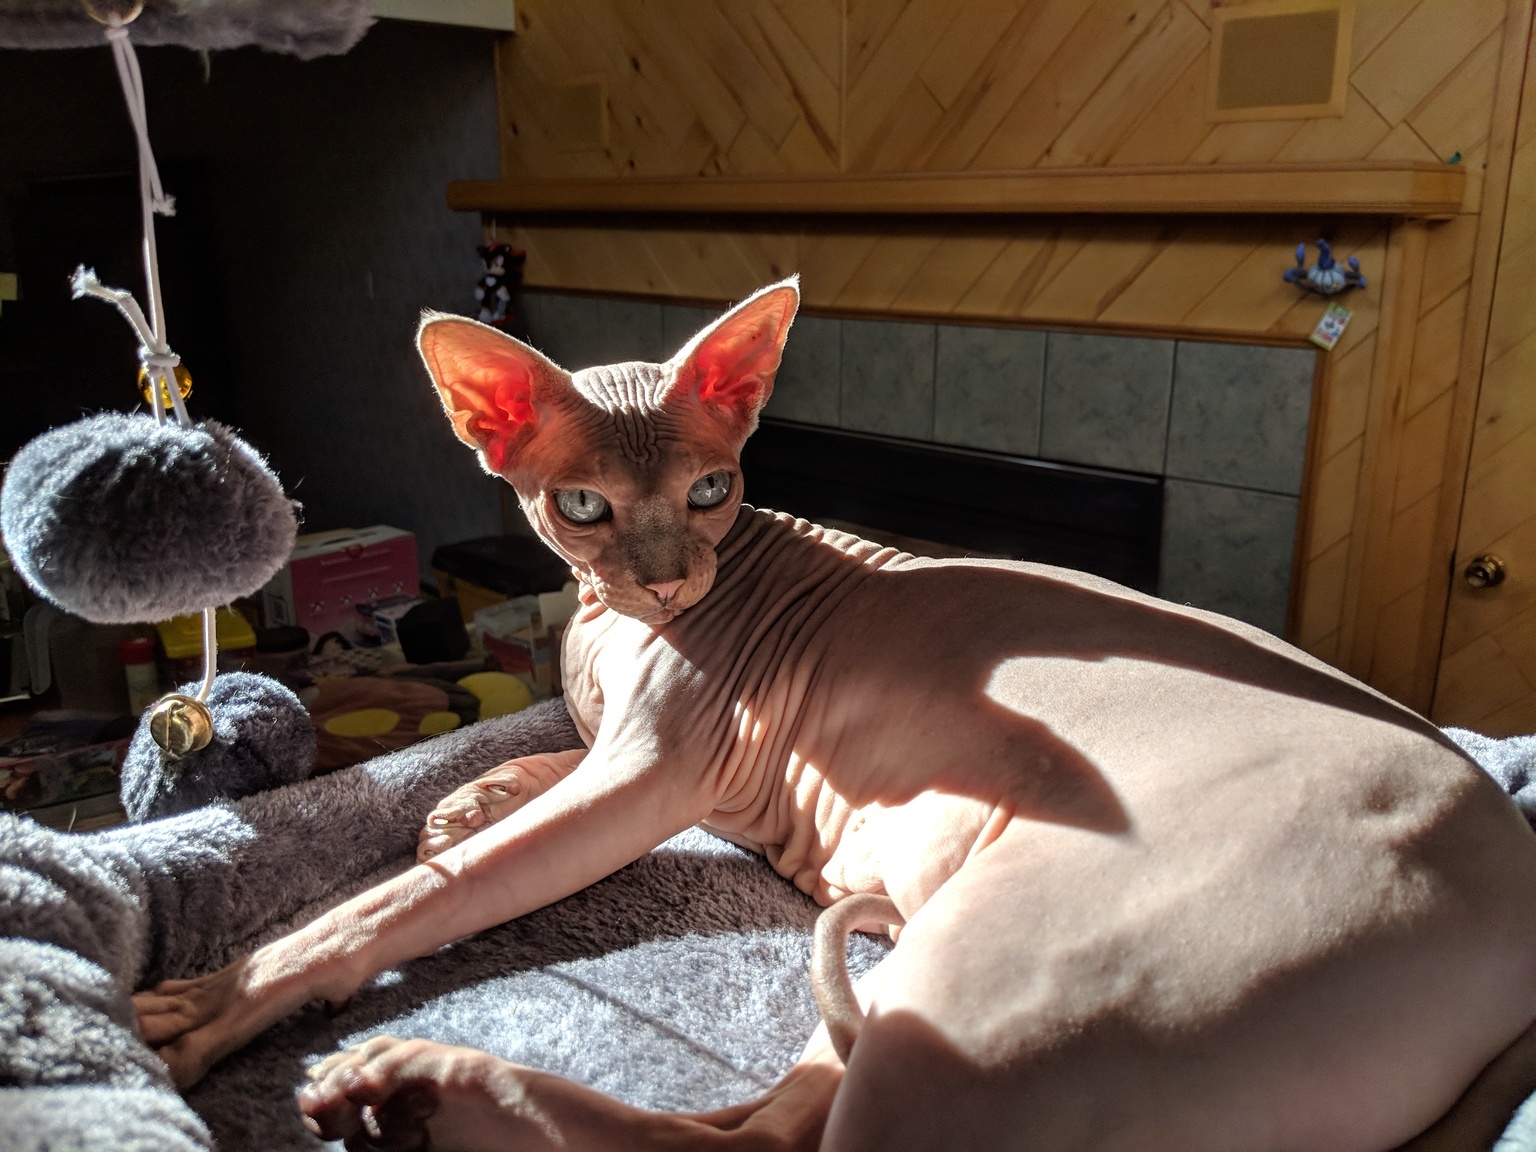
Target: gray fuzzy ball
262, 738
121, 520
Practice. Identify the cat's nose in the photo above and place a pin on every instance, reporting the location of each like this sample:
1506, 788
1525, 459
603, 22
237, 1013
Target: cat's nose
666, 589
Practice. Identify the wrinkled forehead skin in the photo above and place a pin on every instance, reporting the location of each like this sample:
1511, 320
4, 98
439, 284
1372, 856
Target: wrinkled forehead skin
625, 427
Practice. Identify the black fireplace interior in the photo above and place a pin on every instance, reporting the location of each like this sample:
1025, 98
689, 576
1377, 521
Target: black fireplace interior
1107, 523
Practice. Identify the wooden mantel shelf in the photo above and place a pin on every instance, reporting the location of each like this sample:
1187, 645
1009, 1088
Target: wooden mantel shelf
1358, 189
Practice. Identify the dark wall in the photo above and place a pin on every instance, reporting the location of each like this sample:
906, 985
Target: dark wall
314, 231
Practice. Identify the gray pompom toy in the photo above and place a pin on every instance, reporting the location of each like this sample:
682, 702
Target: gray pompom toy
120, 520
126, 519
262, 738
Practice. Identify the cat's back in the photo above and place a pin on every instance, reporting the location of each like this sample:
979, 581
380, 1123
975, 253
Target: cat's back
967, 671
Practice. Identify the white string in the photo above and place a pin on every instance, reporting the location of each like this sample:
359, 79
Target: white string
159, 361
152, 195
210, 651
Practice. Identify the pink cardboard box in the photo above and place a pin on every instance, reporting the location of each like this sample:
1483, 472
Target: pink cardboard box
331, 573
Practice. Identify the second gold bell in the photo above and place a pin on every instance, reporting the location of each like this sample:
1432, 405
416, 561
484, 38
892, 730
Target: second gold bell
183, 385
180, 724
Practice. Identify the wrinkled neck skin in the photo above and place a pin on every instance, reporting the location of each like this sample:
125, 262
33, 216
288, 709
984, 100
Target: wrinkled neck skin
720, 695
623, 431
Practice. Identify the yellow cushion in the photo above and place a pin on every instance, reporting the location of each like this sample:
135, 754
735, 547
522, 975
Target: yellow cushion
434, 722
499, 693
363, 722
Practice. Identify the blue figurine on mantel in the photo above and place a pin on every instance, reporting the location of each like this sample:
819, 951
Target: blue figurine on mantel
1326, 277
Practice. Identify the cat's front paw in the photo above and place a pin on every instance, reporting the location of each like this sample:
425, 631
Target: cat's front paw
489, 798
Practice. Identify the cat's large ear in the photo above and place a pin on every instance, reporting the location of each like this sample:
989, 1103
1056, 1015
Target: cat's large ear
730, 365
490, 384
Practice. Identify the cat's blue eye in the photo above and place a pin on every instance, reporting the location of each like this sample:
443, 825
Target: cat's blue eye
710, 490
581, 505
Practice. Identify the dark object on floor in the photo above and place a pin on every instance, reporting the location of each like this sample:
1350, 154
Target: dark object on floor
433, 632
262, 738
507, 565
302, 28
120, 520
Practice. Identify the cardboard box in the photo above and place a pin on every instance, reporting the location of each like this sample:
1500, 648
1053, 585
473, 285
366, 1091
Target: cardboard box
331, 573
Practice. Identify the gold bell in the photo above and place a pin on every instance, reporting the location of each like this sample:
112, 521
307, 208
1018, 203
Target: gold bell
104, 11
183, 385
180, 724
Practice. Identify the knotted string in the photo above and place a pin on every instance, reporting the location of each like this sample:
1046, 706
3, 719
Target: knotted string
154, 352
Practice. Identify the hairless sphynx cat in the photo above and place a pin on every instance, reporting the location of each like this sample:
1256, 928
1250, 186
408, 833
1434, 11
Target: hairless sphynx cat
1161, 881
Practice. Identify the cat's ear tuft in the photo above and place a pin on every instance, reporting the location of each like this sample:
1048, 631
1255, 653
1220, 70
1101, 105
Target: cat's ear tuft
730, 365
489, 383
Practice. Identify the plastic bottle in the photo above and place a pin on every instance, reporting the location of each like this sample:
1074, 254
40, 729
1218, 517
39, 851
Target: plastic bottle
138, 653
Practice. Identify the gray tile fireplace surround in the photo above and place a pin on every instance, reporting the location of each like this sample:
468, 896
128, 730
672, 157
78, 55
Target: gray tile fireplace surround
1225, 424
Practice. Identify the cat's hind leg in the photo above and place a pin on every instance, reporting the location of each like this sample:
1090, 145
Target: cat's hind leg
490, 797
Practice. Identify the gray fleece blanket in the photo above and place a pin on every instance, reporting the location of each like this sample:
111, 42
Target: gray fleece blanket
679, 983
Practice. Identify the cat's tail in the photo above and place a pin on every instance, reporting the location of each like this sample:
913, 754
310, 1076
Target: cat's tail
830, 981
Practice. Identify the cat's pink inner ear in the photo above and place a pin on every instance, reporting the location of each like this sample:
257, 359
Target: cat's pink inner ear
730, 366
487, 382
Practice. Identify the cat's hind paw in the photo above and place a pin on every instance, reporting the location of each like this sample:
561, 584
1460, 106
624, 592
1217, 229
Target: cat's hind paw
489, 798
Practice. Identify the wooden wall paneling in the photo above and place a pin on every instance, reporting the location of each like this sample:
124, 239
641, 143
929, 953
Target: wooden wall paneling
1359, 188
1180, 276
1301, 551
950, 85
1335, 449
1421, 51
1401, 282
1064, 84
1114, 112
1113, 259
952, 269
1028, 43
1487, 673
1497, 227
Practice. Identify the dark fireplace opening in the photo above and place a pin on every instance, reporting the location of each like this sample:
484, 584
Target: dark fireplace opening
908, 493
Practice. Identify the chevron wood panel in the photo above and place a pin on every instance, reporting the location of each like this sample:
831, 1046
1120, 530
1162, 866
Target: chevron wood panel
1488, 671
756, 87
763, 87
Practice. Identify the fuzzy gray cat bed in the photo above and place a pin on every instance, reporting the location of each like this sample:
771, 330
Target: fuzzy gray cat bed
681, 982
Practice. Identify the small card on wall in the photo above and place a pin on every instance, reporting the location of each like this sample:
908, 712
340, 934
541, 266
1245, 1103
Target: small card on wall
1331, 326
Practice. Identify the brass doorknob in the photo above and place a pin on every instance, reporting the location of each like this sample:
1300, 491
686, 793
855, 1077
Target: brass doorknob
1485, 571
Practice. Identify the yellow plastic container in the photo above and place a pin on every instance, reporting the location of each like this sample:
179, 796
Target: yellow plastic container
182, 636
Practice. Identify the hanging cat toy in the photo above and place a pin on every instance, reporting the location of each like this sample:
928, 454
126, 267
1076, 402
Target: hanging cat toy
129, 518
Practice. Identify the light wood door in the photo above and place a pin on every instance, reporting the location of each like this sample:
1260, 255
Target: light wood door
1487, 677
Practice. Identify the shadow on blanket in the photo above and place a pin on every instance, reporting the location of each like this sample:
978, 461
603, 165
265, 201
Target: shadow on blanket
679, 983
